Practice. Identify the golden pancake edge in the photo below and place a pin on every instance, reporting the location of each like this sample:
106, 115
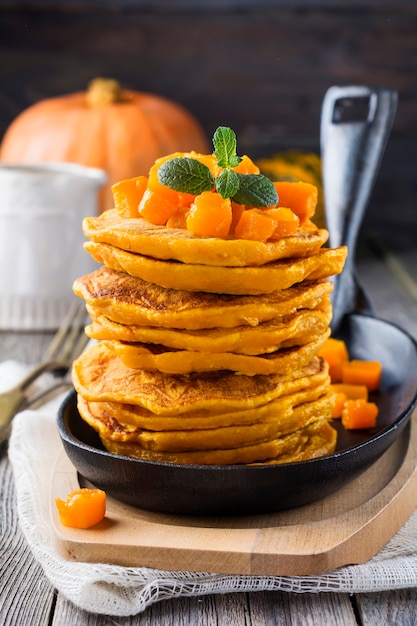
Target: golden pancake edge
132, 301
230, 280
138, 235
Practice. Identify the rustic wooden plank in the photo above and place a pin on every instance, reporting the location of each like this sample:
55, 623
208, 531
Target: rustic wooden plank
282, 608
26, 596
262, 608
389, 607
227, 610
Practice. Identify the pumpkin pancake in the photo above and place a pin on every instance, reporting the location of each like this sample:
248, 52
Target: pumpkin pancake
224, 437
132, 417
231, 280
140, 236
281, 332
100, 375
315, 441
317, 438
208, 346
132, 301
151, 357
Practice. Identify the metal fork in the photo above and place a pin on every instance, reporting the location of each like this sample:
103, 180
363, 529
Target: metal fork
67, 344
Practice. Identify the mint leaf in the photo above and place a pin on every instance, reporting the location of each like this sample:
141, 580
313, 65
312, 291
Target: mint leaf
224, 142
235, 160
255, 190
186, 175
227, 183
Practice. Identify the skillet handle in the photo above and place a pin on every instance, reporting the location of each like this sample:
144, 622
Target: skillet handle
355, 125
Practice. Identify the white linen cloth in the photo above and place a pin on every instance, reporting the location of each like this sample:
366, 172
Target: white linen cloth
124, 591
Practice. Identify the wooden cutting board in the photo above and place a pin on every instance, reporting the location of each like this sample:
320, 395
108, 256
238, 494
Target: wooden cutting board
348, 527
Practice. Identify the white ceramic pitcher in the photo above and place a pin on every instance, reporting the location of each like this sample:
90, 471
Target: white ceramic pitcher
41, 240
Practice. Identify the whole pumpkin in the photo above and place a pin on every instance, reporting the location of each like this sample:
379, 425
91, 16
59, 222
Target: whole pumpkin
120, 131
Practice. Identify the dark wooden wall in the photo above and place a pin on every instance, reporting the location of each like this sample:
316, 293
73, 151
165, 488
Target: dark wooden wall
261, 67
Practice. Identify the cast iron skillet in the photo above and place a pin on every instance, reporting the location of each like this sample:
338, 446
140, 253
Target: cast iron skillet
242, 490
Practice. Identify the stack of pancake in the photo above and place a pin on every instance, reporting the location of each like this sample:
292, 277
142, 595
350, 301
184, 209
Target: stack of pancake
207, 348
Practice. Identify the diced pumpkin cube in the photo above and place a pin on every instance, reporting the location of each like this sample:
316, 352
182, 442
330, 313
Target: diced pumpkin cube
156, 208
246, 166
128, 193
339, 402
237, 210
300, 197
358, 372
210, 215
255, 224
359, 414
335, 353
286, 221
179, 219
82, 508
352, 392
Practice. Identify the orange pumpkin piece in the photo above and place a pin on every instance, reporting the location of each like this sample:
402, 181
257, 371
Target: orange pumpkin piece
352, 392
179, 219
155, 208
246, 166
210, 215
309, 225
128, 193
286, 222
255, 224
359, 414
300, 197
237, 210
358, 372
82, 508
339, 402
335, 352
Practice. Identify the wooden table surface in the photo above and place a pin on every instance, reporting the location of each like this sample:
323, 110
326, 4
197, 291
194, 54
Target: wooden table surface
27, 597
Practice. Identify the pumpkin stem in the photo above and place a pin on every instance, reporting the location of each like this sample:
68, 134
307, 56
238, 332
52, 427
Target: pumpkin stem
103, 91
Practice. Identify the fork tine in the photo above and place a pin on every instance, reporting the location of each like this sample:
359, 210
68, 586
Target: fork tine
67, 344
75, 337
45, 394
61, 346
79, 345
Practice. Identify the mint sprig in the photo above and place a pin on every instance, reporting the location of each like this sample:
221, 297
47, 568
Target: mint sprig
189, 175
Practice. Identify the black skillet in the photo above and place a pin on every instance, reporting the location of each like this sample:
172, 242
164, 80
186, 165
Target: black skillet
352, 146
